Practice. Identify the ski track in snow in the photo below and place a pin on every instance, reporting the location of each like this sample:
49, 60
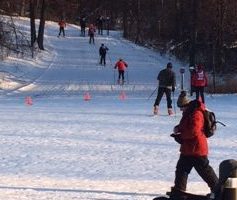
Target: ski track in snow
66, 148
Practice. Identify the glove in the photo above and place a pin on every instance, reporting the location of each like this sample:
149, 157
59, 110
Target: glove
176, 137
173, 89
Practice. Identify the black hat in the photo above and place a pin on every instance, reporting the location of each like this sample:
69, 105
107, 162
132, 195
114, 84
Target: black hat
169, 65
182, 99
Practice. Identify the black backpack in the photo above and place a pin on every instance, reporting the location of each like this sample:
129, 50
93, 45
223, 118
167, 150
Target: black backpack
210, 123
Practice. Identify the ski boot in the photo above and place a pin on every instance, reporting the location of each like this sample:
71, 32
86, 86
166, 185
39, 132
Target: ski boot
155, 110
170, 111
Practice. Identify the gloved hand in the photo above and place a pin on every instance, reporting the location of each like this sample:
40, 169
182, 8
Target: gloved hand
176, 137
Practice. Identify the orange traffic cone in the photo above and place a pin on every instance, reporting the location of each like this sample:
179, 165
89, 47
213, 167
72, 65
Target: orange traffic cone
122, 95
28, 101
87, 96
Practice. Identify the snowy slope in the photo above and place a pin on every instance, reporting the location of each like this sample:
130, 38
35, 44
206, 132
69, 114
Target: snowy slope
63, 147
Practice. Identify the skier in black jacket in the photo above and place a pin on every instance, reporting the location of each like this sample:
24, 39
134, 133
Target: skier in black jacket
102, 51
167, 81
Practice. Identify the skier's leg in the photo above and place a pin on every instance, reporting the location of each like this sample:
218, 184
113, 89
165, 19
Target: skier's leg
202, 94
60, 30
105, 59
122, 76
197, 93
63, 32
168, 98
159, 96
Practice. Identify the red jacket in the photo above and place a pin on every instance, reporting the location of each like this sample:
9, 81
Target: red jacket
199, 78
121, 65
194, 141
62, 24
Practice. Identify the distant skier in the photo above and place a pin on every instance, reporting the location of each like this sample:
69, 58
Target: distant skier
62, 26
83, 26
102, 51
199, 81
121, 65
91, 33
100, 22
189, 133
167, 81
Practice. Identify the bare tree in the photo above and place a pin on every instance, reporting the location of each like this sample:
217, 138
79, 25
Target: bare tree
32, 22
40, 38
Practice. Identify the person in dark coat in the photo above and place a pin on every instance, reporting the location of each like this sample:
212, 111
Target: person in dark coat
100, 22
102, 51
83, 26
189, 133
167, 82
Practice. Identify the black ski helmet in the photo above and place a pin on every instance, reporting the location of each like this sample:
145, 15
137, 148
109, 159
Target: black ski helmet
169, 65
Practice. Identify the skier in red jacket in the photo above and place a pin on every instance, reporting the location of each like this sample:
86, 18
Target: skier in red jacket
62, 26
199, 81
194, 148
121, 65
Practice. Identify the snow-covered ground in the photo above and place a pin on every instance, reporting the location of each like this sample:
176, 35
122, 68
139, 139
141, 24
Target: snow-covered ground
63, 147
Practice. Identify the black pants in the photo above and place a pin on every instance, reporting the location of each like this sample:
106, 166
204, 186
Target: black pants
161, 91
201, 165
100, 30
199, 92
92, 39
102, 59
121, 74
61, 30
83, 31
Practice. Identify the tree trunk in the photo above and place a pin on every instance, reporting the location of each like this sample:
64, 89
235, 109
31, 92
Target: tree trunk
138, 27
125, 19
32, 22
23, 8
193, 34
219, 40
40, 39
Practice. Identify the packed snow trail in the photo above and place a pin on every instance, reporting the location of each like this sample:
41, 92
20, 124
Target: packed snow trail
75, 65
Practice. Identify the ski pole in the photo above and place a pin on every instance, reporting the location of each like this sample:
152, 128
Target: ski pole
127, 78
152, 93
174, 105
111, 66
114, 78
